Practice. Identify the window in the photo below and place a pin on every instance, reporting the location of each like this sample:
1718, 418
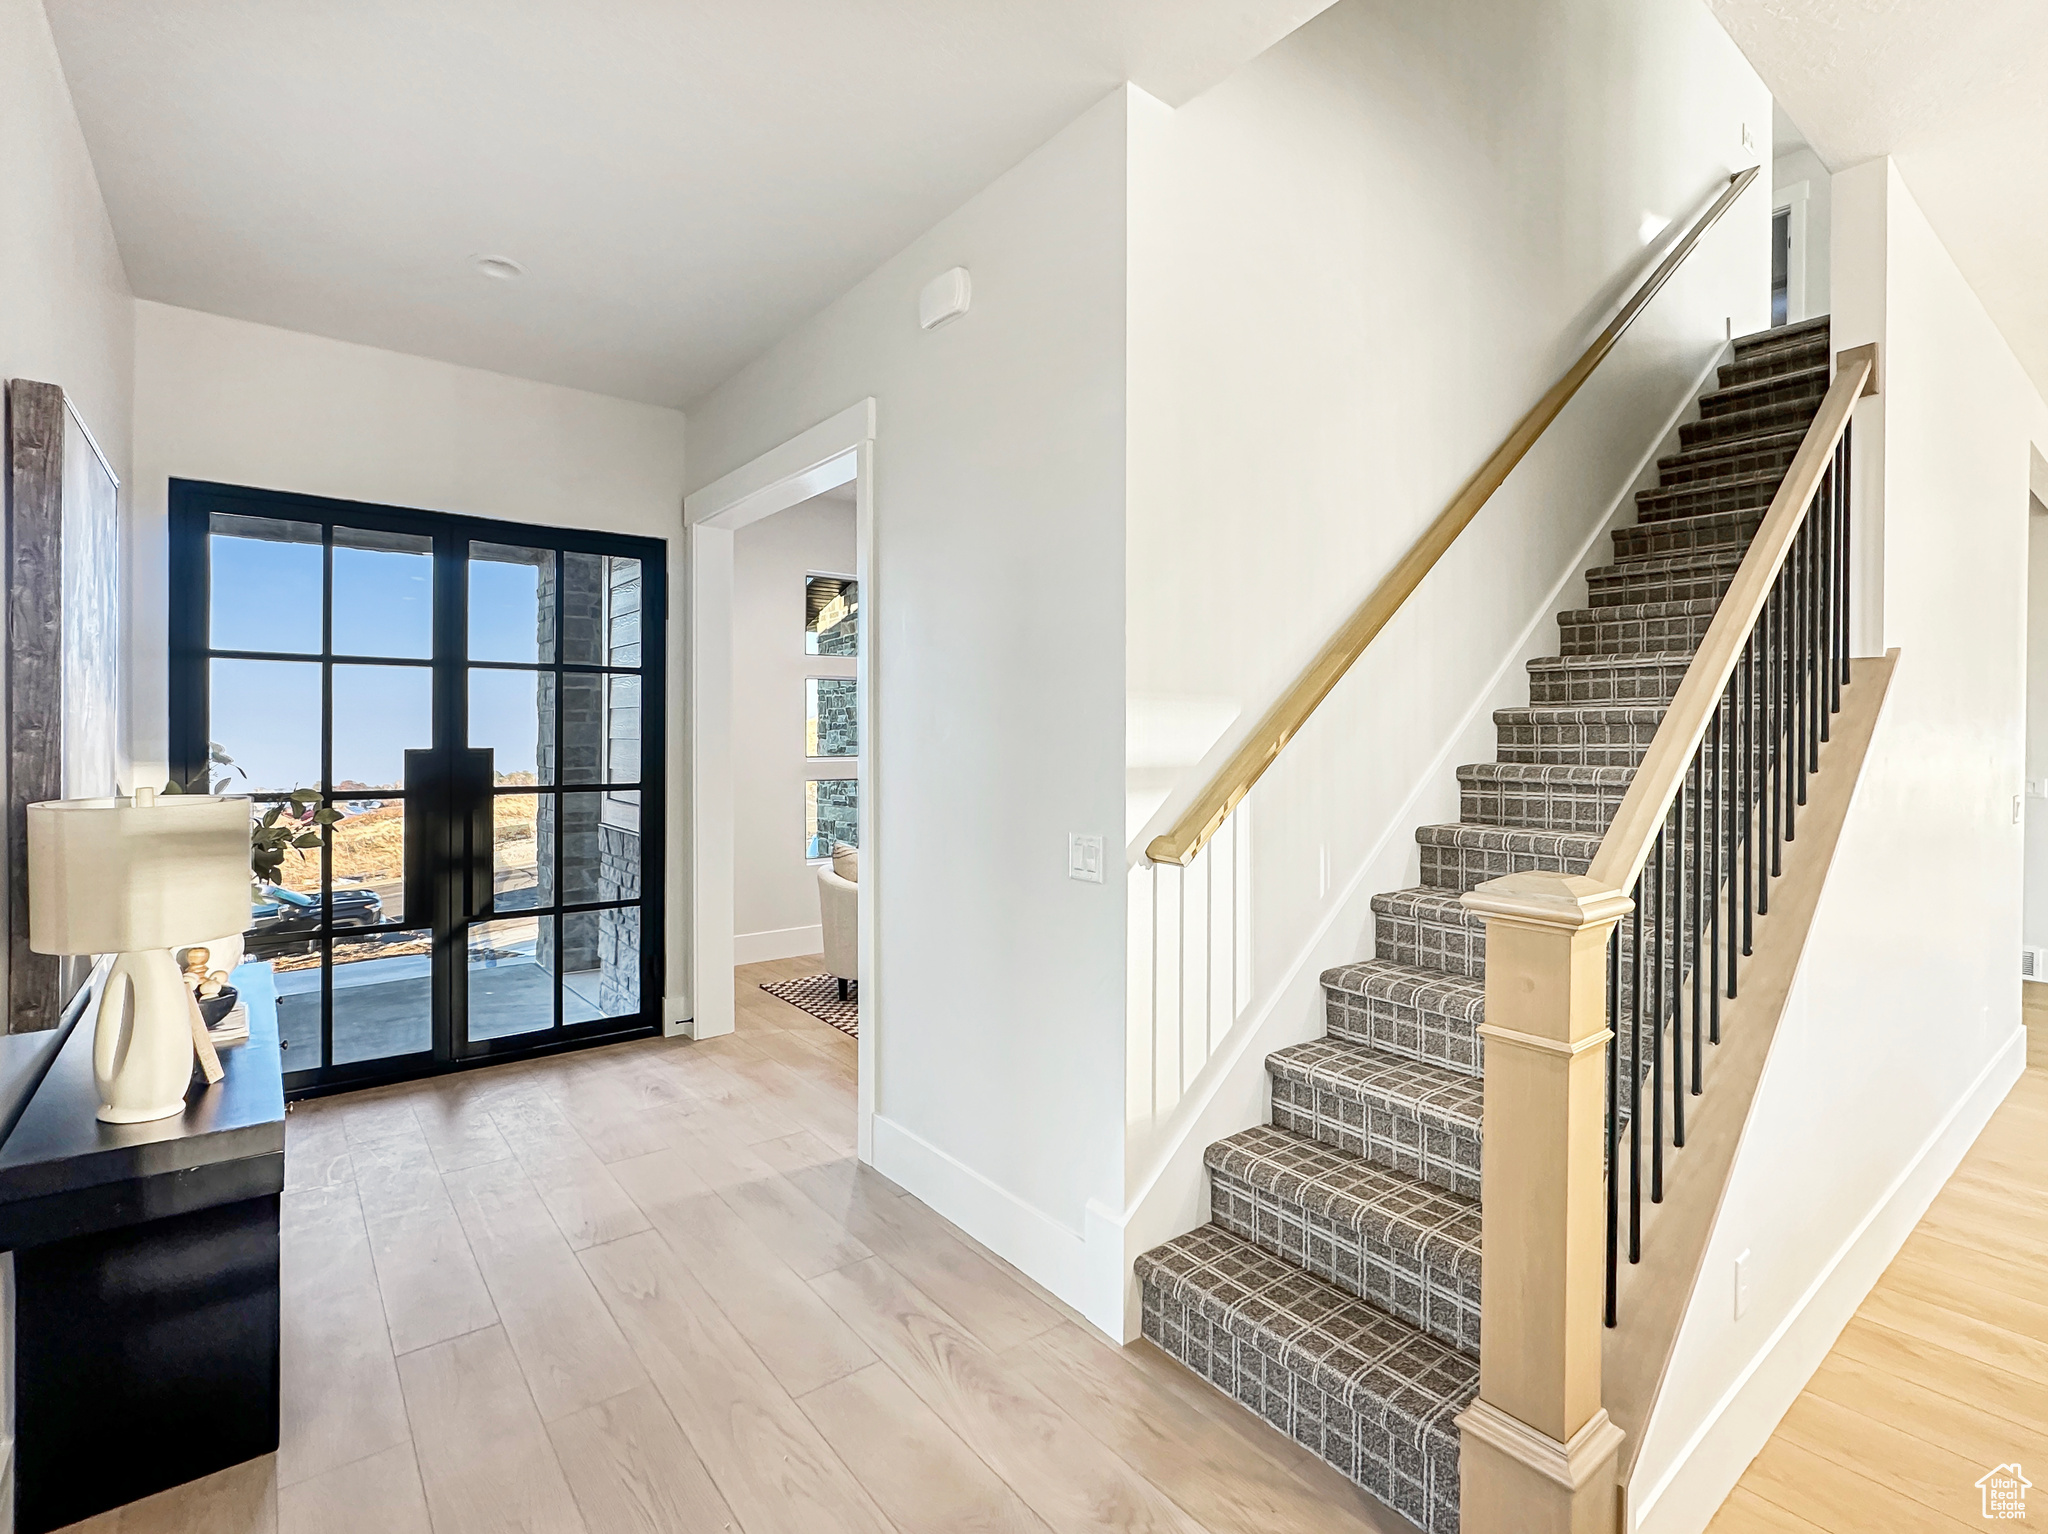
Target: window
829, 716
831, 815
831, 615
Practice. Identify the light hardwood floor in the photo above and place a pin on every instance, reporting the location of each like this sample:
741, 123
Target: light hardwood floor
1943, 1373
648, 1288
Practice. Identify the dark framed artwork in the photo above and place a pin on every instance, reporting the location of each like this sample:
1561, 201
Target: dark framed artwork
63, 656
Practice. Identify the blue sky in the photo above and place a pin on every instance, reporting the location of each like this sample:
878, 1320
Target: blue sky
266, 596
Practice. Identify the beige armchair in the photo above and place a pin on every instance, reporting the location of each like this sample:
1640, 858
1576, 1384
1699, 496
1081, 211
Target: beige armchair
839, 913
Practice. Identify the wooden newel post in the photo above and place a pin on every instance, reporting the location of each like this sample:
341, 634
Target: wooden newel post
1538, 1451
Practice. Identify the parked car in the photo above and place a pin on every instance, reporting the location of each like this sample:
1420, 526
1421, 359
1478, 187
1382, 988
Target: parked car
287, 922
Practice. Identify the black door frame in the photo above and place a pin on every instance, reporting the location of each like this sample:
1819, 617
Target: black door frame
191, 504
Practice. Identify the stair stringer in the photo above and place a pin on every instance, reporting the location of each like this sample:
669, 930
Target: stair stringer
1166, 1182
1655, 1296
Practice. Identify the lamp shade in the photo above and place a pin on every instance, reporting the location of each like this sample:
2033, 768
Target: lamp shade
118, 875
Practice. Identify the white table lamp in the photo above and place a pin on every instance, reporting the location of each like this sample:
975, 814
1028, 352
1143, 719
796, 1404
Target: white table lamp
137, 877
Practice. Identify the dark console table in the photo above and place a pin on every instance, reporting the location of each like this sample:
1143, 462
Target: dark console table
145, 1279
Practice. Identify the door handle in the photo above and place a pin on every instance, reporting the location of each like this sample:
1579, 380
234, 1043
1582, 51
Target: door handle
477, 816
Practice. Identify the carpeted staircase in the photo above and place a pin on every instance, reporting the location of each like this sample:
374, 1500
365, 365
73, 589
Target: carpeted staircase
1335, 1290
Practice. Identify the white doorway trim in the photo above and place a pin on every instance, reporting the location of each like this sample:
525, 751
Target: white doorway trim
832, 453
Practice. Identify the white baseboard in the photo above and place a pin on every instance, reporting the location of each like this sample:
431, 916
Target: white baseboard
783, 943
1080, 1267
1734, 1432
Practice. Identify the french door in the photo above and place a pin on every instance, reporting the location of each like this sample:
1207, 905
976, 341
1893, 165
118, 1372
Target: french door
459, 722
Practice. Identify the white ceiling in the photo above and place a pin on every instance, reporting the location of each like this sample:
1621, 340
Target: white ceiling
682, 180
1957, 92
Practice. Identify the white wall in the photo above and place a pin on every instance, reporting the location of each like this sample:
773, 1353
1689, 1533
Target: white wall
1903, 1031
1355, 264
1799, 181
66, 318
997, 706
775, 890
226, 400
65, 313
2034, 924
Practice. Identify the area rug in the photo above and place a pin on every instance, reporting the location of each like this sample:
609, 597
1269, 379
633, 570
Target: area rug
819, 996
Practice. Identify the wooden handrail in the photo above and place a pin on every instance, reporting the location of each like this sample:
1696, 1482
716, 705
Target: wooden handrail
1639, 820
1284, 719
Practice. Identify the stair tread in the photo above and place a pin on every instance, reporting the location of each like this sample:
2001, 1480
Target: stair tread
1427, 900
1637, 612
1384, 980
1551, 774
1341, 1345
1814, 378
1447, 1098
1717, 556
1431, 1224
1609, 662
1579, 713
1764, 484
1787, 438
1566, 844
1782, 335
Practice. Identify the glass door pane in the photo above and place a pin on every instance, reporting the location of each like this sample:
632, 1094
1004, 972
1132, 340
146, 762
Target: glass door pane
553, 690
450, 729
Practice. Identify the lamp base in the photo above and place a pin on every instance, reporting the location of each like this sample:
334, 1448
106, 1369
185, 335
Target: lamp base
142, 1047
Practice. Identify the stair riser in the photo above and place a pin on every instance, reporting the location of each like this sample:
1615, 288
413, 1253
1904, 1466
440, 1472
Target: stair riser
1627, 585
1772, 364
1593, 684
1402, 1283
1466, 868
1705, 498
1684, 535
1379, 1132
1592, 742
1420, 941
1634, 636
1775, 391
1789, 416
1581, 809
1454, 947
1405, 1029
1813, 332
1735, 461
1380, 1455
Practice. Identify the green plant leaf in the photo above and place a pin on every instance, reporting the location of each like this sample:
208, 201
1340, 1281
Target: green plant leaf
306, 843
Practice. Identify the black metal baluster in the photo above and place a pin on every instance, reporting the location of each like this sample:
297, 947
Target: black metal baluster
1817, 624
1657, 1024
1825, 582
1846, 521
1613, 1113
1714, 881
1695, 910
1795, 648
1774, 656
1751, 841
1788, 691
1635, 1077
1676, 962
1736, 778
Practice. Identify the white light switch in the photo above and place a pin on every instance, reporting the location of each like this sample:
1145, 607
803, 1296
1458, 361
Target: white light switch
1741, 1285
1084, 857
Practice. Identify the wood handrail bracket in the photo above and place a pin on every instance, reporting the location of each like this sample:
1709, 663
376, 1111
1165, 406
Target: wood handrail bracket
1636, 824
1206, 814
